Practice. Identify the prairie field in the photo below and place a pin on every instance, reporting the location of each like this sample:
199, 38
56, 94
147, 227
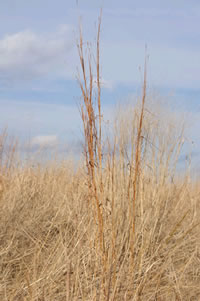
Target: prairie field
120, 224
72, 231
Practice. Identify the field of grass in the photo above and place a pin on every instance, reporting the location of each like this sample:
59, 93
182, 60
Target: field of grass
123, 224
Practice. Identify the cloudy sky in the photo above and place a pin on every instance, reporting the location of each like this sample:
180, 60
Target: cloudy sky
38, 60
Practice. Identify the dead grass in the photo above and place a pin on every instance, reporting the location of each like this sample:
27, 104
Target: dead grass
49, 240
122, 226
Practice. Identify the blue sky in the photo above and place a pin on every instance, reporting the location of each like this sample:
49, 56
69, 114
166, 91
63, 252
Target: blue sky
38, 60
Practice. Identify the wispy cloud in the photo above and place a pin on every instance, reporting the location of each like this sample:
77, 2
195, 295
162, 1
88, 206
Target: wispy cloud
27, 55
105, 84
44, 141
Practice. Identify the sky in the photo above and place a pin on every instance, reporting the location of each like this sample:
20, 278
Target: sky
39, 94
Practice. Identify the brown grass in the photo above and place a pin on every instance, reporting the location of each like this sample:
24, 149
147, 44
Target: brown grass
122, 226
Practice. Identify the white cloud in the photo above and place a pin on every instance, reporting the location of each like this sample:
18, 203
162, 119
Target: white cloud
27, 55
105, 84
44, 141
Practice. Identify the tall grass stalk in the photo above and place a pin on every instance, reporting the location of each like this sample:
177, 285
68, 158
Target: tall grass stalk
92, 129
137, 164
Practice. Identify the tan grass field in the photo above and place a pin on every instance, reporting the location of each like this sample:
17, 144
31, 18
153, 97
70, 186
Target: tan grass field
123, 225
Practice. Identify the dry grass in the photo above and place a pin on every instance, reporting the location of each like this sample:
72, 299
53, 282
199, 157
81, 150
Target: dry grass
122, 226
49, 237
